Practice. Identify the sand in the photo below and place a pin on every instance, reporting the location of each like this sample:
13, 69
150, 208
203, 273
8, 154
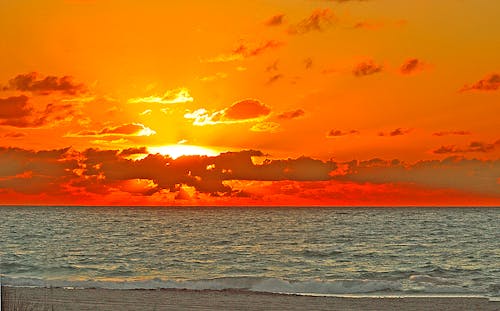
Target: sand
59, 299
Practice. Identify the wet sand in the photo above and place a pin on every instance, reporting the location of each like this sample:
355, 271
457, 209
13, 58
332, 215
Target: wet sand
59, 299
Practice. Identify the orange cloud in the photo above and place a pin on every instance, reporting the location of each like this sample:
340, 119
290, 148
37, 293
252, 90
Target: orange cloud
489, 83
411, 66
130, 129
241, 111
319, 20
275, 20
366, 68
396, 132
32, 82
176, 96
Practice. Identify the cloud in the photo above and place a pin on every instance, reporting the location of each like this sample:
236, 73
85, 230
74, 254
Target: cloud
241, 111
15, 107
488, 83
411, 65
247, 109
374, 25
288, 115
274, 78
319, 20
32, 172
396, 132
268, 126
338, 133
129, 129
14, 135
17, 111
245, 51
308, 63
275, 20
447, 133
366, 68
72, 175
475, 146
133, 151
176, 96
32, 82
471, 176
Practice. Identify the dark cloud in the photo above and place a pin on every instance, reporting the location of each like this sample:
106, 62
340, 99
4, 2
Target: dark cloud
15, 107
308, 63
129, 129
32, 82
366, 68
17, 111
489, 83
288, 115
472, 176
447, 133
133, 151
274, 78
72, 173
275, 20
411, 65
396, 132
247, 51
14, 135
337, 133
33, 172
319, 20
475, 146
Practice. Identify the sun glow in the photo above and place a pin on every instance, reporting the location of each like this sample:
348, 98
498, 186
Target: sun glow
179, 150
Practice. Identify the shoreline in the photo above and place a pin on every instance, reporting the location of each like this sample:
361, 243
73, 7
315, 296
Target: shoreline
187, 299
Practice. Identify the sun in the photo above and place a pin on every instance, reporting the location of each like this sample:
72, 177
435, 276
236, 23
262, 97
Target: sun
180, 150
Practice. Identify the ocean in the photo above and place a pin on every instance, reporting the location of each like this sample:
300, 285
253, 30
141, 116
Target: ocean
309, 250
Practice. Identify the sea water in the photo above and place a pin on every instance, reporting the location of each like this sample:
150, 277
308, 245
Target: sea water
319, 251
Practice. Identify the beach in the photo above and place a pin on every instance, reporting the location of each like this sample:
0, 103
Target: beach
174, 299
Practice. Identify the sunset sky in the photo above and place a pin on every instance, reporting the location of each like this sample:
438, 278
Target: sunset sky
265, 102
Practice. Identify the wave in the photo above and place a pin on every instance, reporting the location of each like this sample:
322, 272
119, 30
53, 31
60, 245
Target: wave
415, 284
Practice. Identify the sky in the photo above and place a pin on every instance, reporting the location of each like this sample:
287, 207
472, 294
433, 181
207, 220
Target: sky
265, 102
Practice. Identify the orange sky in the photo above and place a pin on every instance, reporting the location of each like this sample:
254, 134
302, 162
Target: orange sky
303, 102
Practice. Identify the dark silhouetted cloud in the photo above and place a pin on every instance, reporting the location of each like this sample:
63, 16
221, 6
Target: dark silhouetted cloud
489, 83
475, 146
447, 133
129, 129
275, 20
319, 20
366, 68
338, 133
17, 111
293, 114
32, 82
396, 132
411, 65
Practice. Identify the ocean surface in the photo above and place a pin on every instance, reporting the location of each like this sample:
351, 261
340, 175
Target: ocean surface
322, 251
